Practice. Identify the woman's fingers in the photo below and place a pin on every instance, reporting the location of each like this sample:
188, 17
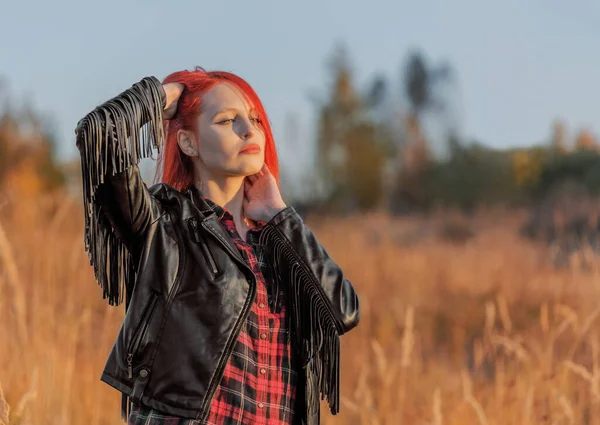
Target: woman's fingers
247, 186
265, 170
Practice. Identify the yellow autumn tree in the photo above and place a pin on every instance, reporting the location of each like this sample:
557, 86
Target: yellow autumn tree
27, 161
586, 140
527, 167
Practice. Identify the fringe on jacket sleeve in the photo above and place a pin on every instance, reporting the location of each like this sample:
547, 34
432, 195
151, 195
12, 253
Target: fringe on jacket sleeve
314, 327
112, 139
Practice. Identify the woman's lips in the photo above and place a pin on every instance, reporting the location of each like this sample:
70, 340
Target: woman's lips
251, 149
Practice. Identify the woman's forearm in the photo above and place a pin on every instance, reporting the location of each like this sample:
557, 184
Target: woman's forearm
117, 204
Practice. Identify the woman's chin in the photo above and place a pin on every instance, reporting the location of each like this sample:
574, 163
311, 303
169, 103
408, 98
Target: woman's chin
244, 171
251, 167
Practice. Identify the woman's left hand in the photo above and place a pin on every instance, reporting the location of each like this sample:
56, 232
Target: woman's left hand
262, 199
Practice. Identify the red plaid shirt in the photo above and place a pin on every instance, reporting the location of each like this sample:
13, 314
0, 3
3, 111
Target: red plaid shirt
259, 382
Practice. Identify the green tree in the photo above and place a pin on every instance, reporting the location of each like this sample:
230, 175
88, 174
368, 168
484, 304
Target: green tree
351, 145
366, 159
558, 137
421, 83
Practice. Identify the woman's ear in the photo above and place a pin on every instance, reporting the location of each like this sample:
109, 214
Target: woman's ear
187, 144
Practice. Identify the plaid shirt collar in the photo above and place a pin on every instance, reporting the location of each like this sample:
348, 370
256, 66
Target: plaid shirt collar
219, 210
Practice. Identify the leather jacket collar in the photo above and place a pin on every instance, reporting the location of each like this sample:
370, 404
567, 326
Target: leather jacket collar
198, 199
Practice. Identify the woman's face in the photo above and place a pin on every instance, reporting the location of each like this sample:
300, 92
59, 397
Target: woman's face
230, 140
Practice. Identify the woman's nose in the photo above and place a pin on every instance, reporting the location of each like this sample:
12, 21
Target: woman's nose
248, 130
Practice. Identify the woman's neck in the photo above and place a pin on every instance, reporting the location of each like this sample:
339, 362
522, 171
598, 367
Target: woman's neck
229, 194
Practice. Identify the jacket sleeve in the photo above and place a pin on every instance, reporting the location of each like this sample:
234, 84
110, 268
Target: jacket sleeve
306, 253
323, 304
118, 207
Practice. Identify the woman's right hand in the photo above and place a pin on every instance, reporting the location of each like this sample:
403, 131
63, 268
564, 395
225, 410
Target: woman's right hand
172, 91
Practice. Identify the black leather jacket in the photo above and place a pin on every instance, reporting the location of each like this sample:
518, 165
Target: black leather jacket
186, 286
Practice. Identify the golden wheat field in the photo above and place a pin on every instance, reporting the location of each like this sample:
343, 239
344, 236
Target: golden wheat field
484, 332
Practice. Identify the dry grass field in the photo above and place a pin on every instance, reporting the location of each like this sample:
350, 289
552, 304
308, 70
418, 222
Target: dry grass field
481, 332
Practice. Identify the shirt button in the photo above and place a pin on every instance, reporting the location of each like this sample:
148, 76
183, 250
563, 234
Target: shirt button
261, 405
263, 370
261, 305
263, 336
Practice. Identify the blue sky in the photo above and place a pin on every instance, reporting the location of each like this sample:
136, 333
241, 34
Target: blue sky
520, 64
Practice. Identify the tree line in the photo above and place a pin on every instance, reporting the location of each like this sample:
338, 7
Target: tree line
373, 148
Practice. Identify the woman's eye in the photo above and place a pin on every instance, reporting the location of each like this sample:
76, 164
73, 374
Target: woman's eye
226, 121
256, 120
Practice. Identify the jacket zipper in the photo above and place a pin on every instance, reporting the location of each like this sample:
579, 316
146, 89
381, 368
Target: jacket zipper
233, 336
193, 223
139, 332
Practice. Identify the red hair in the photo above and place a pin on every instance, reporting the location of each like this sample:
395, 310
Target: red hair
176, 167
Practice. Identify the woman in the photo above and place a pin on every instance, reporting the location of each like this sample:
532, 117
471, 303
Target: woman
233, 309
